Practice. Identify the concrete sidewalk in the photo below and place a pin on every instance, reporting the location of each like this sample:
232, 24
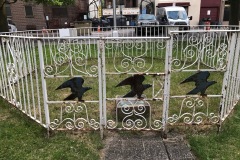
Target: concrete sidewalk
146, 147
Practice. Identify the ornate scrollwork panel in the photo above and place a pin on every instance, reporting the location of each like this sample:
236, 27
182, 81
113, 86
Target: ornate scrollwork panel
214, 53
134, 114
194, 111
70, 56
12, 79
133, 55
74, 116
209, 49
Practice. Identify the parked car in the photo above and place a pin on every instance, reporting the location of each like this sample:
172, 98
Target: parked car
146, 23
11, 26
173, 15
104, 24
120, 20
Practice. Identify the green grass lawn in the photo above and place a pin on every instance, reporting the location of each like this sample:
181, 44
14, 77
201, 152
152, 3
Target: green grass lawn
224, 145
22, 138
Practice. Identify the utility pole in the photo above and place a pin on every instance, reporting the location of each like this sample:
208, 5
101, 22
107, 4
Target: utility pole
141, 7
115, 32
120, 4
100, 9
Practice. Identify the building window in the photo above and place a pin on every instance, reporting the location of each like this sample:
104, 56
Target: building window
29, 11
59, 12
8, 11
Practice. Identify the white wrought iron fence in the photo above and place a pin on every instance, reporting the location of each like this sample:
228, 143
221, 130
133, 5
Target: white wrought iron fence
123, 31
20, 83
34, 65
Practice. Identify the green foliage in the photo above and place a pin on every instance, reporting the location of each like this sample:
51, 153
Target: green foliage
3, 18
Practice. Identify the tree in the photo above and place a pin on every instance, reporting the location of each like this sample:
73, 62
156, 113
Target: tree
3, 17
234, 16
149, 6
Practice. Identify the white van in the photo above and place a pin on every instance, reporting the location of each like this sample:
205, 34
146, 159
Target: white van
173, 15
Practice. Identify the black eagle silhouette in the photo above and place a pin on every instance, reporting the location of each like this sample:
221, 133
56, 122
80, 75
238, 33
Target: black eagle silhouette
137, 87
76, 88
201, 82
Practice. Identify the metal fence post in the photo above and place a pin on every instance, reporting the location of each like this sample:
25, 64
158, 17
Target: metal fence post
44, 86
235, 62
226, 81
3, 78
102, 85
238, 71
166, 94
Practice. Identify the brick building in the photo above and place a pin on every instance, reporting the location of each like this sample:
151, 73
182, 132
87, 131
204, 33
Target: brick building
29, 15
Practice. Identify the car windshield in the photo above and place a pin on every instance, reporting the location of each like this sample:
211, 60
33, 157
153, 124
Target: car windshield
146, 17
177, 15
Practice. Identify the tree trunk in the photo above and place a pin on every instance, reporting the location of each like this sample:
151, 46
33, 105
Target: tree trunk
234, 12
3, 18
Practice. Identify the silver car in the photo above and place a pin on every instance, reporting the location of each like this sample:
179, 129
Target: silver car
146, 23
